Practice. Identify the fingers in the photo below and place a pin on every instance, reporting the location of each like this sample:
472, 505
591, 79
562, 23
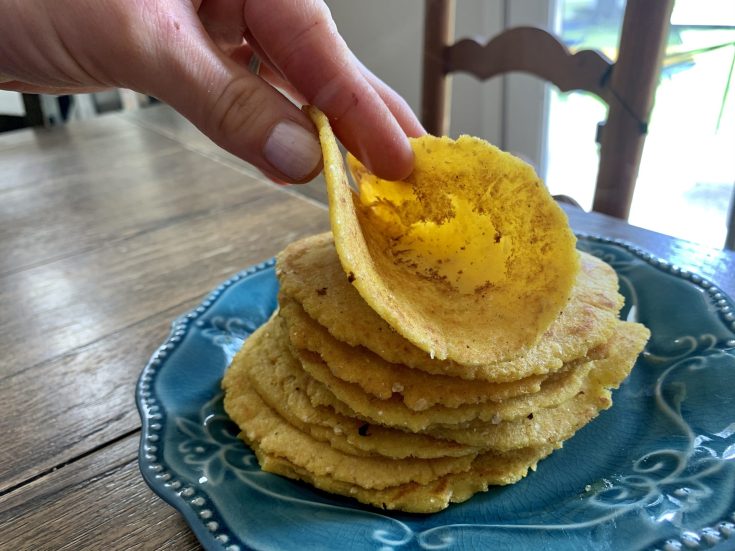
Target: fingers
304, 45
236, 109
394, 102
223, 20
25, 88
243, 55
398, 106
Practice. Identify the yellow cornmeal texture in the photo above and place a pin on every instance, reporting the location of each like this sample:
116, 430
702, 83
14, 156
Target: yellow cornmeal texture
285, 387
275, 436
539, 426
470, 259
263, 395
560, 422
412, 484
392, 412
310, 273
418, 390
444, 338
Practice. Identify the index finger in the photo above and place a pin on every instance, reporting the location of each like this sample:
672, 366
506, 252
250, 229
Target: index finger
303, 42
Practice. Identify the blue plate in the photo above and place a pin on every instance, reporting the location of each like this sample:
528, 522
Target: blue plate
657, 470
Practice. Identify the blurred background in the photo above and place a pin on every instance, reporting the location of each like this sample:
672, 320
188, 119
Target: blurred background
687, 174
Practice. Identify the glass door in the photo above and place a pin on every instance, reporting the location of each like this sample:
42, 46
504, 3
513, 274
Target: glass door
687, 172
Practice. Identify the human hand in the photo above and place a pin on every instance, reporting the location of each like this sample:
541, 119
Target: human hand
193, 54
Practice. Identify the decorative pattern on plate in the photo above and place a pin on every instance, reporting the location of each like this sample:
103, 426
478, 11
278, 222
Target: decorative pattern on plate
655, 471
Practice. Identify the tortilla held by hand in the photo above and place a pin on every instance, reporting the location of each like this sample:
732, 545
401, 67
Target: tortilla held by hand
469, 258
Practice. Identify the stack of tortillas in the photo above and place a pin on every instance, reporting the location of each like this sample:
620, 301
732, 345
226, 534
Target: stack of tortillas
444, 338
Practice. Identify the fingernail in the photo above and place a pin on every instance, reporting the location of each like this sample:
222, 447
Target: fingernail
292, 150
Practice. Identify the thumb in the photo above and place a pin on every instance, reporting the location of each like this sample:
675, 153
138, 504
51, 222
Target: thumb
236, 109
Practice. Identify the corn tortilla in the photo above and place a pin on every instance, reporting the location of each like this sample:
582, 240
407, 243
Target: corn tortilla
413, 263
310, 273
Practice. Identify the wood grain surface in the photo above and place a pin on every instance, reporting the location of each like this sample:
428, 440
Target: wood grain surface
110, 229
98, 502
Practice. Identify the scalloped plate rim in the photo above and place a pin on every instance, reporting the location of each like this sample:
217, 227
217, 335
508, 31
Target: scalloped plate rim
179, 503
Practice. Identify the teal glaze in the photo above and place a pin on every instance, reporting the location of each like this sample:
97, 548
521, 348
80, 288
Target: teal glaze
657, 470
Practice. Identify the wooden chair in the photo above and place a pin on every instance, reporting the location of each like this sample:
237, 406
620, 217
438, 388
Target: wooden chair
627, 86
33, 115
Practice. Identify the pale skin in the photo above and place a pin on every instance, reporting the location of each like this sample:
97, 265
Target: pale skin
194, 54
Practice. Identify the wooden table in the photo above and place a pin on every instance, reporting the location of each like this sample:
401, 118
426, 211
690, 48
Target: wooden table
109, 229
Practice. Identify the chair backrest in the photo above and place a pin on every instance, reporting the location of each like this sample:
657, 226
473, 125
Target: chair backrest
33, 114
627, 86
